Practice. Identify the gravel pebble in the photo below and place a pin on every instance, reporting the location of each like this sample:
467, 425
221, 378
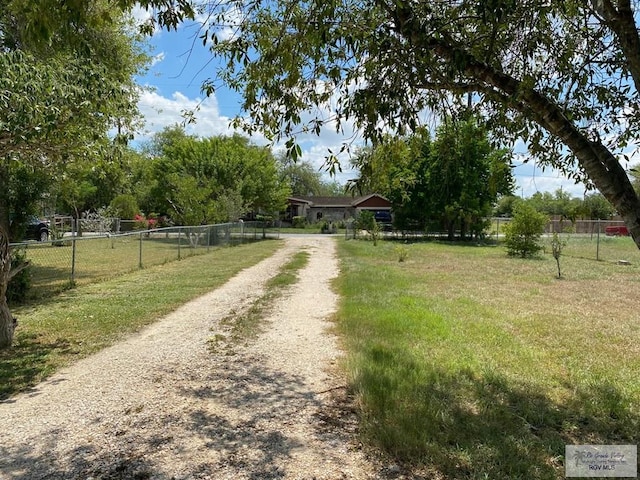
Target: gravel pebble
162, 405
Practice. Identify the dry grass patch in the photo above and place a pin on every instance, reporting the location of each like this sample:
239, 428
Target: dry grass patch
471, 364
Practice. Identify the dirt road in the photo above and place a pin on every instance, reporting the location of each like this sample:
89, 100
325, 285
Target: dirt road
162, 405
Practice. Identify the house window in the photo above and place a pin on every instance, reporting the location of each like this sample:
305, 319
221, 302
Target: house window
319, 216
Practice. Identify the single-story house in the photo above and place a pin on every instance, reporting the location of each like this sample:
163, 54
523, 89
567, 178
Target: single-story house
334, 209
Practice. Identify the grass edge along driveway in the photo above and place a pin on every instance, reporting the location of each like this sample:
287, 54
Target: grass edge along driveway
83, 320
467, 364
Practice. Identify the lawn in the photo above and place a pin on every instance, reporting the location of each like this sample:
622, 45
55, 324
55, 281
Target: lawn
467, 364
55, 267
83, 320
603, 247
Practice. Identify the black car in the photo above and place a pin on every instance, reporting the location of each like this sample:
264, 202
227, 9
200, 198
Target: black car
383, 217
37, 230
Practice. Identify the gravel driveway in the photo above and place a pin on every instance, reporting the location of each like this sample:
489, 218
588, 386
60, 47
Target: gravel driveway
162, 405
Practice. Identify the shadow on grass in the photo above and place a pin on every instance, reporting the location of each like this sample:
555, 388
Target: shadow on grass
441, 239
26, 363
468, 425
45, 282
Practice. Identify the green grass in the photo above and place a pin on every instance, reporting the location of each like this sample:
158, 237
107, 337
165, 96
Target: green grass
288, 274
467, 364
100, 258
86, 319
591, 247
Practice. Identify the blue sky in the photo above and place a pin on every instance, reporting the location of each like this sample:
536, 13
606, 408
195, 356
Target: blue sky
181, 63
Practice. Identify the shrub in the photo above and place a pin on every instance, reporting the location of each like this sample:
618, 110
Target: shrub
98, 221
402, 252
56, 233
144, 223
523, 233
366, 221
124, 206
299, 222
328, 227
21, 283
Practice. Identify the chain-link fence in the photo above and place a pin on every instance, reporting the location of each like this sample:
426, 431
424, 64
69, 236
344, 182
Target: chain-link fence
72, 260
594, 239
605, 240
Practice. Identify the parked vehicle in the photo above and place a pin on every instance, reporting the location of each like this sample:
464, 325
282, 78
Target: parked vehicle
37, 230
383, 217
617, 231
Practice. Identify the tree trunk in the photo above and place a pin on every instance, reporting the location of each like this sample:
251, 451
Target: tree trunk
594, 158
463, 229
451, 231
7, 324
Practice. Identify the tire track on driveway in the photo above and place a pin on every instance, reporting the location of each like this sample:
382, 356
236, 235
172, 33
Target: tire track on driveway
161, 405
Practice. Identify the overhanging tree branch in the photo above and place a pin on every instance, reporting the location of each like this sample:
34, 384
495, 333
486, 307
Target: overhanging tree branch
559, 68
599, 163
622, 23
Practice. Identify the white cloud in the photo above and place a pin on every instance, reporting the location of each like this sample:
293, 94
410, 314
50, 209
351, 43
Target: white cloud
160, 112
316, 148
157, 59
528, 186
141, 16
317, 155
207, 19
531, 178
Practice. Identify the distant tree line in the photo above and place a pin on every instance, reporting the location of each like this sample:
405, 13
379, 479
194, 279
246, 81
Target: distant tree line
182, 178
453, 182
561, 204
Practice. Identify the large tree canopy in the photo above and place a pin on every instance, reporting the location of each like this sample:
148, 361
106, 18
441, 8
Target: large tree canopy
303, 179
63, 87
448, 184
67, 79
560, 74
206, 180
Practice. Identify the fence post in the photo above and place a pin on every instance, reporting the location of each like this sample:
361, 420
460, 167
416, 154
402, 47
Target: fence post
73, 258
140, 252
598, 242
179, 232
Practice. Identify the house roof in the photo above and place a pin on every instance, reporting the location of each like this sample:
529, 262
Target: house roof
336, 202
